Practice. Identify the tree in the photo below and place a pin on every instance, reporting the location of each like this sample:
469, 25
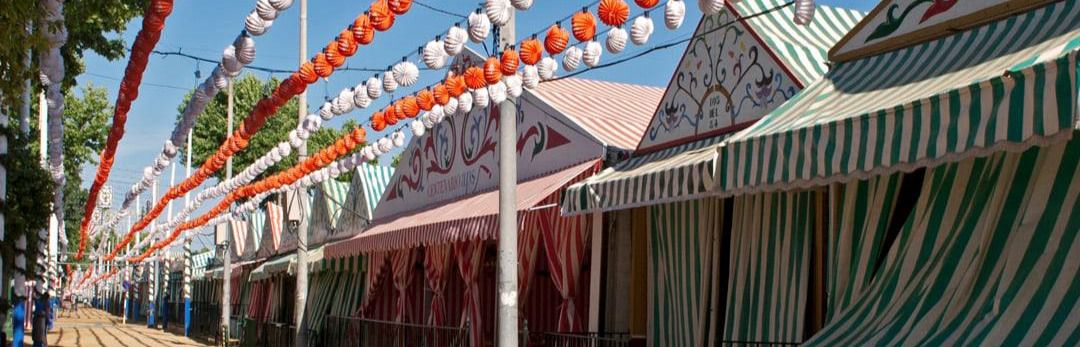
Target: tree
86, 120
211, 128
91, 25
27, 203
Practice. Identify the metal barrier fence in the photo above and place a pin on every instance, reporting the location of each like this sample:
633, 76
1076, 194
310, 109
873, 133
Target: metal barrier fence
205, 318
352, 331
575, 339
267, 334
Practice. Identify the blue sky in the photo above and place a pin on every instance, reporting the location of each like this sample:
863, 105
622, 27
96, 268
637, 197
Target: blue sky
205, 27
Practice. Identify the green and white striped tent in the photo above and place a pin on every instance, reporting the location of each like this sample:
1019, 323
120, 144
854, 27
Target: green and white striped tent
681, 167
987, 257
199, 263
1005, 85
366, 189
329, 198
336, 288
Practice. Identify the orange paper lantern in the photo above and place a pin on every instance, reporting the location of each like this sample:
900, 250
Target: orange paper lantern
307, 73
474, 78
531, 51
425, 100
381, 16
556, 39
584, 25
400, 6
442, 96
646, 4
492, 70
363, 31
509, 61
332, 56
410, 106
613, 12
346, 44
378, 121
455, 85
322, 66
390, 114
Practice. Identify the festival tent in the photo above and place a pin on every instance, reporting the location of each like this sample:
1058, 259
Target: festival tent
940, 152
439, 213
744, 62
366, 188
328, 201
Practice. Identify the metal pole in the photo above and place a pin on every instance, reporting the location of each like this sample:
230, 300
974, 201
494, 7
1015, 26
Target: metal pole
302, 233
507, 328
226, 295
187, 248
151, 302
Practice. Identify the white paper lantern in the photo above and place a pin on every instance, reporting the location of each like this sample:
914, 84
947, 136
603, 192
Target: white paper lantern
479, 27
591, 55
284, 148
343, 103
616, 40
513, 85
451, 107
245, 49
480, 97
326, 110
398, 138
265, 10
428, 119
418, 128
455, 40
389, 84
434, 55
312, 122
281, 5
522, 5
711, 6
674, 13
498, 11
294, 139
374, 88
804, 12
384, 145
465, 103
229, 63
406, 73
437, 113
360, 97
255, 25
572, 58
546, 68
530, 77
497, 92
641, 29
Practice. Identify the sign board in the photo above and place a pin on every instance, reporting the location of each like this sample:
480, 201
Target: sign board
726, 80
459, 156
898, 23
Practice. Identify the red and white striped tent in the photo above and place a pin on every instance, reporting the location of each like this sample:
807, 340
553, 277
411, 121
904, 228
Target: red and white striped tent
440, 209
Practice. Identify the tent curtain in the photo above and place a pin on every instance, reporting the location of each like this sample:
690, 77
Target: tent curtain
683, 252
988, 256
528, 243
436, 262
769, 267
376, 262
566, 242
860, 213
402, 265
468, 255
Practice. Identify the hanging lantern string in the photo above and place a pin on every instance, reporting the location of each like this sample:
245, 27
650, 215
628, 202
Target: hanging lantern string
148, 36
380, 17
235, 56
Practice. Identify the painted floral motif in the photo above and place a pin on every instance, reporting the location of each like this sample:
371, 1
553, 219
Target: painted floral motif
725, 79
893, 22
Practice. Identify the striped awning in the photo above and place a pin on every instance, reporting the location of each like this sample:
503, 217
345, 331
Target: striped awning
1006, 85
374, 178
470, 218
281, 264
802, 48
675, 174
616, 114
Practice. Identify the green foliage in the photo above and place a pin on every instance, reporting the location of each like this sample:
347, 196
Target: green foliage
29, 195
211, 129
86, 126
91, 25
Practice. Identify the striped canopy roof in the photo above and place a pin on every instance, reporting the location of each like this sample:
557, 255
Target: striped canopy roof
374, 178
199, 263
329, 198
803, 48
1005, 85
615, 114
